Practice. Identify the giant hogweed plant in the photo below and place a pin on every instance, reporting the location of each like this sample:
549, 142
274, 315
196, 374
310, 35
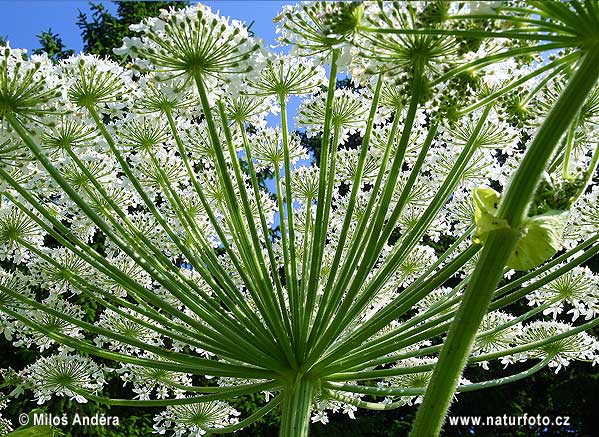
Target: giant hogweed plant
395, 264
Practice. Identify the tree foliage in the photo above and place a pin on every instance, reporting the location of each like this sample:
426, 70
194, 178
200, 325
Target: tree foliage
102, 31
51, 44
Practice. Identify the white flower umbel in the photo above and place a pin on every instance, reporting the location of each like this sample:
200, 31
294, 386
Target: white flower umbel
196, 419
63, 375
192, 41
561, 352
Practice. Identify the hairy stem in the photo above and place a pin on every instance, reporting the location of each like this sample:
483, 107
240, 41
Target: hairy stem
498, 249
295, 408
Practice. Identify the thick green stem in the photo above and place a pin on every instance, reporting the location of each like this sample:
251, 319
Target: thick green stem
296, 408
498, 248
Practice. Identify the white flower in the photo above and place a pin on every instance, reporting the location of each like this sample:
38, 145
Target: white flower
191, 41
63, 375
320, 416
195, 418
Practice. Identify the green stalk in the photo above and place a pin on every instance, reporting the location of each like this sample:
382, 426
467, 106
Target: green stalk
307, 311
264, 224
336, 287
383, 373
589, 174
67, 239
208, 368
306, 248
497, 304
329, 300
212, 269
568, 149
318, 237
554, 66
238, 230
296, 407
128, 245
231, 392
391, 391
499, 247
247, 208
248, 420
142, 296
213, 220
157, 271
488, 60
368, 330
567, 41
293, 305
166, 354
350, 309
374, 406
291, 280
451, 300
184, 296
537, 344
270, 311
512, 19
176, 331
199, 266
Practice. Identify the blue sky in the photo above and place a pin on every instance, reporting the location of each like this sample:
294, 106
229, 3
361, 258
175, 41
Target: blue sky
21, 20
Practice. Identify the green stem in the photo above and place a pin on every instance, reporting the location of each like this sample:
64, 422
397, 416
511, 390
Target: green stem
329, 299
208, 367
231, 392
64, 236
567, 41
320, 228
375, 406
249, 420
498, 248
555, 66
311, 299
292, 284
588, 175
392, 391
264, 224
338, 307
439, 328
296, 408
568, 150
513, 19
488, 60
265, 299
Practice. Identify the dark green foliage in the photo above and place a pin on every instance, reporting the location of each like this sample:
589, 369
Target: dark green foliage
51, 43
103, 32
265, 426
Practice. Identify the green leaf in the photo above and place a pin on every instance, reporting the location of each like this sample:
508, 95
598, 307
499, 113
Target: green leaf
542, 238
485, 207
541, 234
33, 431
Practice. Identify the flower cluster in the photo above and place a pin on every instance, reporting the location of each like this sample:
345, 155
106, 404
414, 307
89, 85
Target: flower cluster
63, 375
